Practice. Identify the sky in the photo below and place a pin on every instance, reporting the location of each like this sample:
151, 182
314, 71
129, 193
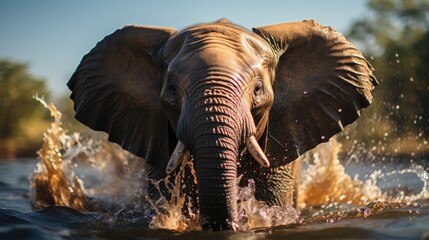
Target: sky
52, 36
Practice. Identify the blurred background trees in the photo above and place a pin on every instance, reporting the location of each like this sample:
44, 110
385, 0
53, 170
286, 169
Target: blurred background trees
21, 119
393, 35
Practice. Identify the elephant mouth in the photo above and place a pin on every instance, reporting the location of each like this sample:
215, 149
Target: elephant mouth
251, 145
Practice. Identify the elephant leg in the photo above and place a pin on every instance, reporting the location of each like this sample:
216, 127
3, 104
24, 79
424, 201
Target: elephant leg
275, 186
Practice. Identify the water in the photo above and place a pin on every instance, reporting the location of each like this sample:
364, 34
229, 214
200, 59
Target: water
99, 193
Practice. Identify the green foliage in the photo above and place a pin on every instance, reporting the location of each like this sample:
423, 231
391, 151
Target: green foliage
22, 119
395, 36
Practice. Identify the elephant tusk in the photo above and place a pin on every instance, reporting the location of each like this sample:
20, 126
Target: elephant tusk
176, 157
256, 151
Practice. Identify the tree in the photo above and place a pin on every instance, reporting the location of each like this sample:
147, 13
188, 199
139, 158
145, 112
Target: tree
395, 36
22, 119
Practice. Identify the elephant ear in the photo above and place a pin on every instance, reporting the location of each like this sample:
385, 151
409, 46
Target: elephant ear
116, 89
322, 83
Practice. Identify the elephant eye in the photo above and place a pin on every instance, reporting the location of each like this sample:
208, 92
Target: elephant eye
172, 90
258, 90
170, 93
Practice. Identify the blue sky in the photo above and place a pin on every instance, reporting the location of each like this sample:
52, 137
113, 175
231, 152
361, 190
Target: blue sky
52, 36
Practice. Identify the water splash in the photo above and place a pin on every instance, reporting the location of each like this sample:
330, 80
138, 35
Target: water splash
110, 178
254, 214
325, 181
327, 187
169, 212
114, 181
54, 182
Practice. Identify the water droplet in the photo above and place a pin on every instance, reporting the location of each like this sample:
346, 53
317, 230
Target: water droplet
330, 220
322, 137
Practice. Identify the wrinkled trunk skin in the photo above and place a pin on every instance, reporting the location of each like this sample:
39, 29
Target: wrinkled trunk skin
217, 190
213, 132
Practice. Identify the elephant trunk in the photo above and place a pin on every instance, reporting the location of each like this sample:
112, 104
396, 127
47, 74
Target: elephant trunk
214, 135
216, 171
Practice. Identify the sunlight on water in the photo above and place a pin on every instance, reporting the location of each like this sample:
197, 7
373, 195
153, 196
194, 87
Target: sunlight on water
112, 180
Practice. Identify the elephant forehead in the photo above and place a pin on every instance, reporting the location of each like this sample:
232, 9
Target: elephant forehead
215, 60
228, 37
219, 40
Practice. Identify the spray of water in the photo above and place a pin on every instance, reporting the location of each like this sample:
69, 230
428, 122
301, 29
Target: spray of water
113, 180
336, 195
54, 182
169, 212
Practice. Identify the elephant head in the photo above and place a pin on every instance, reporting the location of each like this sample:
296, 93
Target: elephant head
217, 89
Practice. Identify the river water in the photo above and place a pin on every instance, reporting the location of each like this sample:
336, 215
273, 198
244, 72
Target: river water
82, 187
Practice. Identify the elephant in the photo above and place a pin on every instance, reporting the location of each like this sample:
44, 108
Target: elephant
240, 102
